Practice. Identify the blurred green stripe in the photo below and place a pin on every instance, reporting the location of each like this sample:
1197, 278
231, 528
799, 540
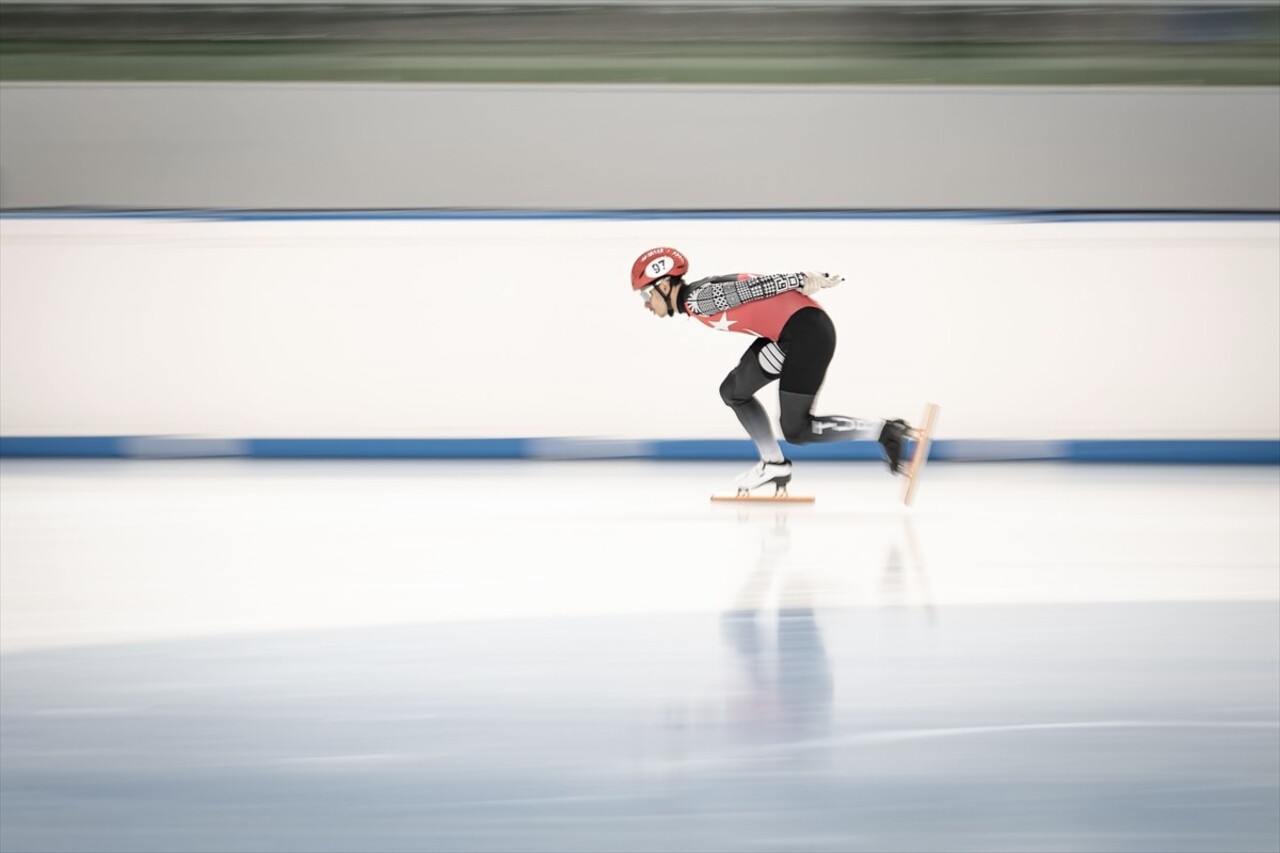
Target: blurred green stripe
968, 64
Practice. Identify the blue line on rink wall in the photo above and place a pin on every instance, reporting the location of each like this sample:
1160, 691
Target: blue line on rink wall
387, 448
1172, 452
77, 446
463, 213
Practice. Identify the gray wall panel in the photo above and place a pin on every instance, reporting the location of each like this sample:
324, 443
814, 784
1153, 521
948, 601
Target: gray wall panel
256, 145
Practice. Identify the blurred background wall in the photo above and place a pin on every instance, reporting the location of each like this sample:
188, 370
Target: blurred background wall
658, 105
323, 145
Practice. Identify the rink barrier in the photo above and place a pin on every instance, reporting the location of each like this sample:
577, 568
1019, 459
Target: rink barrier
1128, 451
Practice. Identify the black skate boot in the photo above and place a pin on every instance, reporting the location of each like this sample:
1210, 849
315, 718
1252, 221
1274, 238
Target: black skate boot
893, 440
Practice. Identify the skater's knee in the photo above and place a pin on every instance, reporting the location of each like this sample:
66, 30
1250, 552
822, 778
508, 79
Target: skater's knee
796, 429
729, 392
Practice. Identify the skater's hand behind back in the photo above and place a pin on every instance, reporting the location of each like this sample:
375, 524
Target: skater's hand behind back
815, 281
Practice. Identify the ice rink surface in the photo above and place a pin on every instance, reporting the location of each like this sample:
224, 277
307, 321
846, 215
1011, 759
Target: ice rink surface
238, 655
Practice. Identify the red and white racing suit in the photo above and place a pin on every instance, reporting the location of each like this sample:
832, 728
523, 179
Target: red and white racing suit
795, 341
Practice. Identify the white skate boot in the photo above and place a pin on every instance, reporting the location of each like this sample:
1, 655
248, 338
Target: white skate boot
778, 473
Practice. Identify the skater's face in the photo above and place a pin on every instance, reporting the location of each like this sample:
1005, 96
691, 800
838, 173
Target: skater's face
655, 297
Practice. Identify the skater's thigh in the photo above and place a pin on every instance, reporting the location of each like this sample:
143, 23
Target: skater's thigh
810, 341
750, 375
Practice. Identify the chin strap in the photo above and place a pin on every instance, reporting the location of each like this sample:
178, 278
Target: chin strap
673, 300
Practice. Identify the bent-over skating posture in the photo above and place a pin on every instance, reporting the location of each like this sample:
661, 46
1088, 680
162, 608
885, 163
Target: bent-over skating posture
795, 340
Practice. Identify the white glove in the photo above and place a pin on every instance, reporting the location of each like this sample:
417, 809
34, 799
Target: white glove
815, 281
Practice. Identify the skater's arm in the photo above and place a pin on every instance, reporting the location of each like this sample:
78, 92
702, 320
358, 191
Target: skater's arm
723, 292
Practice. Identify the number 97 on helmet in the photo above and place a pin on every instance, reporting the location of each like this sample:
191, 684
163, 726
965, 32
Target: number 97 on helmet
656, 264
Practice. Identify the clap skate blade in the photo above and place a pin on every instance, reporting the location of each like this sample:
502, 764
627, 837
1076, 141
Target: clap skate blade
779, 495
923, 437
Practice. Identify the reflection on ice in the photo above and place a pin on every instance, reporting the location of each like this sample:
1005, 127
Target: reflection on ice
351, 657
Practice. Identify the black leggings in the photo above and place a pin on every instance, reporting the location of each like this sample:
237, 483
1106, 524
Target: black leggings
807, 343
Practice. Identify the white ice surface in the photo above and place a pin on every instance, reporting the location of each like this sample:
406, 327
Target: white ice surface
120, 551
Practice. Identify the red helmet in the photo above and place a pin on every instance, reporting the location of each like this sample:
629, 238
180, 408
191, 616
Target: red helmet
655, 264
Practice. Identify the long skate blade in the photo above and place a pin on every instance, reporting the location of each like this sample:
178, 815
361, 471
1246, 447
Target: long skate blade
765, 499
918, 459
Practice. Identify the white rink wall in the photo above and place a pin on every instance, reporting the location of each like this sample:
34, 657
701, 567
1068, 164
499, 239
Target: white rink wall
525, 326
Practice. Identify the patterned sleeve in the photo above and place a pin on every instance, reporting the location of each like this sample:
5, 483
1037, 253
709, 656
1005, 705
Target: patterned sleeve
723, 292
